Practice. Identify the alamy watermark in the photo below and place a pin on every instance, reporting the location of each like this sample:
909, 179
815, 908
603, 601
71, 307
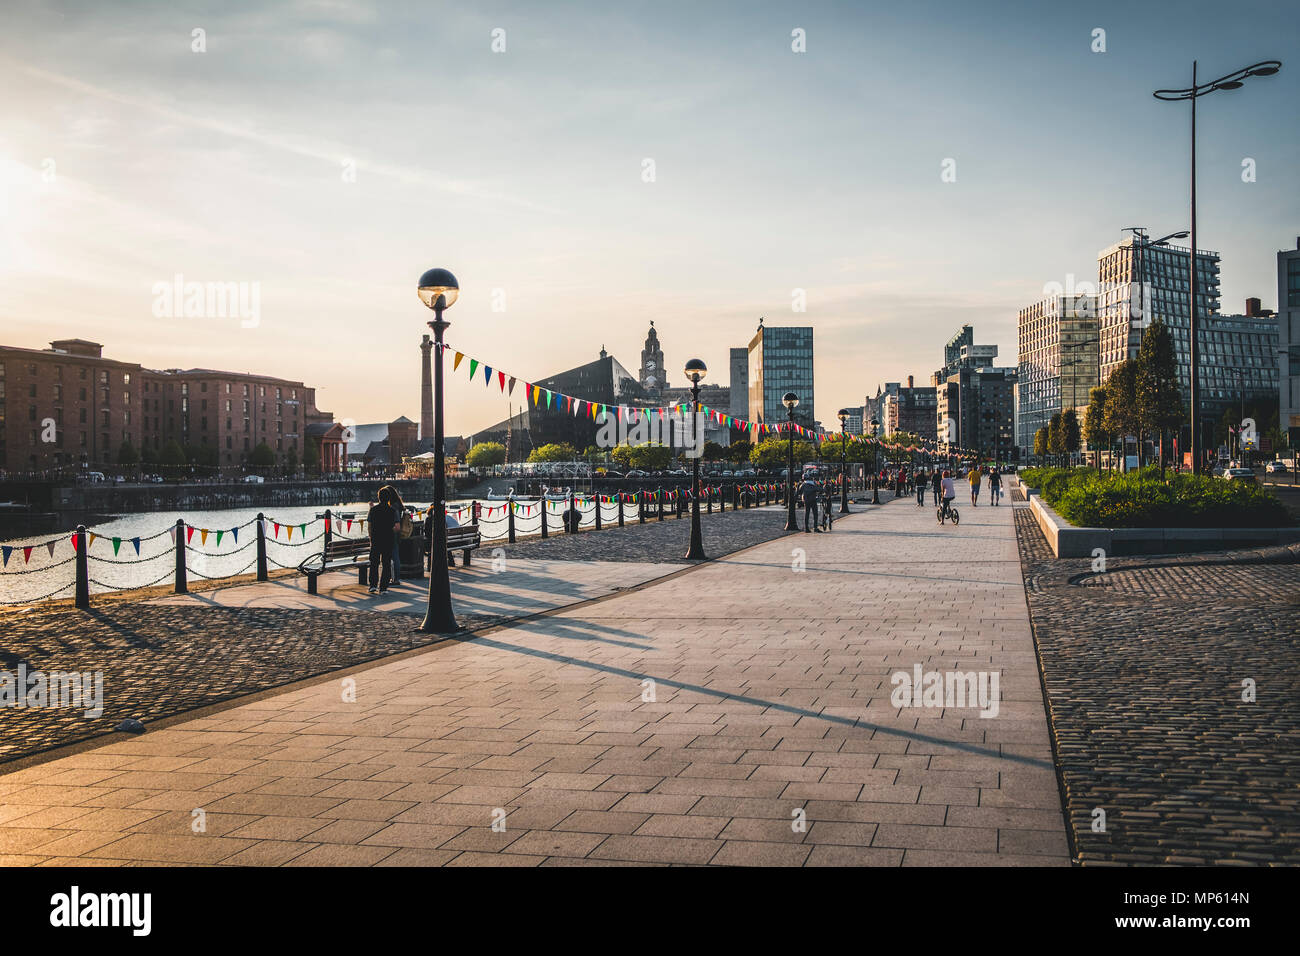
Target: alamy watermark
82, 690
921, 688
179, 299
679, 429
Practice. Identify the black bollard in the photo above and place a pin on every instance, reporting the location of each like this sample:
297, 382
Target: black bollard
261, 547
181, 587
83, 571
621, 496
659, 503
597, 500
510, 522
542, 505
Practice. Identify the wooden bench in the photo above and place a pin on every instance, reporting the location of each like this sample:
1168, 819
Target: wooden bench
338, 554
463, 539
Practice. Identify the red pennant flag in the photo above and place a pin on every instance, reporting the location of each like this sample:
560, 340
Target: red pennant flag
27, 555
189, 533
501, 378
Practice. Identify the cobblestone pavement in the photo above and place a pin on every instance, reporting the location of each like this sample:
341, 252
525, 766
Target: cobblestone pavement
1143, 668
172, 654
739, 713
664, 541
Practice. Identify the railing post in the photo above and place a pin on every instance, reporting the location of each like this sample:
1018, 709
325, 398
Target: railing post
708, 500
542, 505
510, 522
261, 547
597, 500
329, 530
640, 507
180, 558
83, 569
659, 502
735, 497
681, 502
621, 496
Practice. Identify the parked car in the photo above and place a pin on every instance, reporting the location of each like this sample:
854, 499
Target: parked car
1275, 467
1231, 474
254, 479
95, 476
634, 473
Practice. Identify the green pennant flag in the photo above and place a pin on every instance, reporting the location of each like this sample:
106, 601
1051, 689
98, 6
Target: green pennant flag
117, 543
473, 367
219, 534
304, 530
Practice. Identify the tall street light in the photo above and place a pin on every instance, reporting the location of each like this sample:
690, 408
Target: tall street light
875, 464
438, 290
790, 399
1232, 81
844, 461
695, 372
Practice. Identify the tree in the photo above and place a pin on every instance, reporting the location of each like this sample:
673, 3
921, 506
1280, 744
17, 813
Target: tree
738, 452
554, 451
1159, 403
126, 455
172, 456
1040, 442
291, 461
1094, 423
1121, 402
1055, 436
311, 456
485, 454
262, 456
775, 453
714, 452
1070, 432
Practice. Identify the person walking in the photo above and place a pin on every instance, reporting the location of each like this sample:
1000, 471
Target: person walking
920, 482
995, 486
974, 478
936, 480
808, 492
383, 525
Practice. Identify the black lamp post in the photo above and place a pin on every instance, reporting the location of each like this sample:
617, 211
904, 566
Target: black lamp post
438, 290
875, 464
844, 461
790, 399
1232, 81
695, 372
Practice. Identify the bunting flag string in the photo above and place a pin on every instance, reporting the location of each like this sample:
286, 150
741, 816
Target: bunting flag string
545, 398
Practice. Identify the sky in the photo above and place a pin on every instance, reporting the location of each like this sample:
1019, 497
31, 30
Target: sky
324, 153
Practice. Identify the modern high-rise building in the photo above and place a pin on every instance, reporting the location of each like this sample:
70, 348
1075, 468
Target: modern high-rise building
853, 424
1058, 361
1288, 327
975, 402
910, 409
1137, 283
780, 361
739, 383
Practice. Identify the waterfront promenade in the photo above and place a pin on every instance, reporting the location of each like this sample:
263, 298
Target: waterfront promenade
767, 736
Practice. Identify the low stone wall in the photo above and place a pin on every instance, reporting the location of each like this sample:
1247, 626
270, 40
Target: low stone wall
1068, 541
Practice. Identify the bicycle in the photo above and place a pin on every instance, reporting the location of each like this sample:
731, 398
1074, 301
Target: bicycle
946, 510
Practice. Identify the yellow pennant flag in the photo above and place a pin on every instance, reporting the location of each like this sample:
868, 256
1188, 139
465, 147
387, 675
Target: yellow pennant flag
203, 536
456, 364
290, 527
93, 536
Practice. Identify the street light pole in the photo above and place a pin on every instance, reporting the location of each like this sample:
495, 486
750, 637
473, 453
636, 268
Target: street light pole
1231, 81
791, 522
695, 371
844, 461
875, 464
438, 290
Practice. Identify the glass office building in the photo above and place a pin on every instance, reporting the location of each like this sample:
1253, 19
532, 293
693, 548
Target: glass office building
1057, 363
780, 361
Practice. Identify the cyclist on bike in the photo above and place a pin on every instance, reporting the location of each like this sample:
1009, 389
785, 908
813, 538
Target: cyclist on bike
948, 489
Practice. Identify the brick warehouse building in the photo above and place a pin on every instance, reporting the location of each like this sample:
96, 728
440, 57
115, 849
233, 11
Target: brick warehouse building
96, 404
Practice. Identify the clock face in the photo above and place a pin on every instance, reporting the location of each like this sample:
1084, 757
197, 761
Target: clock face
650, 366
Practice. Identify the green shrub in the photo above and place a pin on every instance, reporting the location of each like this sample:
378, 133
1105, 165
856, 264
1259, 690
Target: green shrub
1139, 499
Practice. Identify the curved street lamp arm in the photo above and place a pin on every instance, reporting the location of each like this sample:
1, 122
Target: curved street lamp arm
1262, 68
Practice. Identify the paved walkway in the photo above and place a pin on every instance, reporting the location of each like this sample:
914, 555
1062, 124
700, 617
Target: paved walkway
767, 735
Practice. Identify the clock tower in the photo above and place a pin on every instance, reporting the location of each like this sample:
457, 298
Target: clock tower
653, 376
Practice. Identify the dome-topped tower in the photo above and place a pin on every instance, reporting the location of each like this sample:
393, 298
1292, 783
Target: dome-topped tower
653, 375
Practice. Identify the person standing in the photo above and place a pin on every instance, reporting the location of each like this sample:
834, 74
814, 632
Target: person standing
808, 491
974, 478
389, 493
383, 524
920, 482
936, 480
